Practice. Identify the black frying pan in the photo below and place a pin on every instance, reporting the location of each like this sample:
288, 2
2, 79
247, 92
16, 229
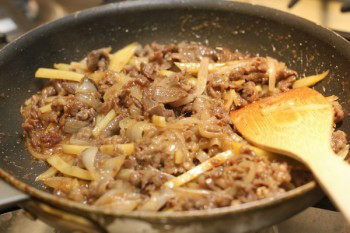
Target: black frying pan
302, 45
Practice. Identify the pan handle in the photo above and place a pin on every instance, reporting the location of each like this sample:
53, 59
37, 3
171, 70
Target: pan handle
10, 196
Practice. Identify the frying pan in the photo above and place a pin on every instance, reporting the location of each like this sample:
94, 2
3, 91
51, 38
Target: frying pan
302, 45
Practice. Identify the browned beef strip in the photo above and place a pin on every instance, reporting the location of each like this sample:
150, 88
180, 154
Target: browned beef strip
42, 139
106, 82
286, 84
339, 140
250, 93
193, 52
86, 114
219, 84
225, 55
148, 70
160, 92
154, 108
166, 90
70, 87
97, 59
48, 91
338, 111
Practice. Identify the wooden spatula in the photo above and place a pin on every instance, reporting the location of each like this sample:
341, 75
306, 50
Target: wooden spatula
299, 123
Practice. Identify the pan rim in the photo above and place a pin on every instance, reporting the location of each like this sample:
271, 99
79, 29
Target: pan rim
268, 13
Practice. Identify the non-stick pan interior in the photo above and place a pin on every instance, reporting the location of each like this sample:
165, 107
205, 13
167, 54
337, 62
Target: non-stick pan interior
303, 46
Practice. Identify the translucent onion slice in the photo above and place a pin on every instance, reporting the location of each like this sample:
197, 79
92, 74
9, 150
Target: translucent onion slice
88, 157
272, 72
157, 200
230, 98
135, 131
200, 85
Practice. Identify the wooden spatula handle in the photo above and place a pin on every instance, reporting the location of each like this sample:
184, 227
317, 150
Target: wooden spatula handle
333, 174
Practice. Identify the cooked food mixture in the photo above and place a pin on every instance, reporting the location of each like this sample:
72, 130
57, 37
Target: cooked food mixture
148, 128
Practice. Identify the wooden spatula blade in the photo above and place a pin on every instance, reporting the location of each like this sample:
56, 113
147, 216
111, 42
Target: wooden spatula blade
285, 123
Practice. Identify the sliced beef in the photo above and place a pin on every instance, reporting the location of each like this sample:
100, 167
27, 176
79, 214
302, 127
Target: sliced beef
166, 90
43, 139
193, 52
154, 108
106, 82
286, 84
70, 87
218, 85
338, 112
98, 59
48, 91
86, 114
84, 133
225, 55
148, 70
162, 55
63, 88
339, 141
162, 91
250, 92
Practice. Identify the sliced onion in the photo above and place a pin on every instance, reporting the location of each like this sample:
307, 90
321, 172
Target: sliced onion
157, 200
201, 106
136, 131
126, 122
88, 158
192, 192
234, 65
160, 173
182, 123
73, 125
78, 141
86, 87
209, 130
272, 72
215, 142
136, 92
88, 99
116, 198
182, 144
200, 85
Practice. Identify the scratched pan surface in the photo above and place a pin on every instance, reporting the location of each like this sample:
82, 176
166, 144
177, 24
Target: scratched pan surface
302, 45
